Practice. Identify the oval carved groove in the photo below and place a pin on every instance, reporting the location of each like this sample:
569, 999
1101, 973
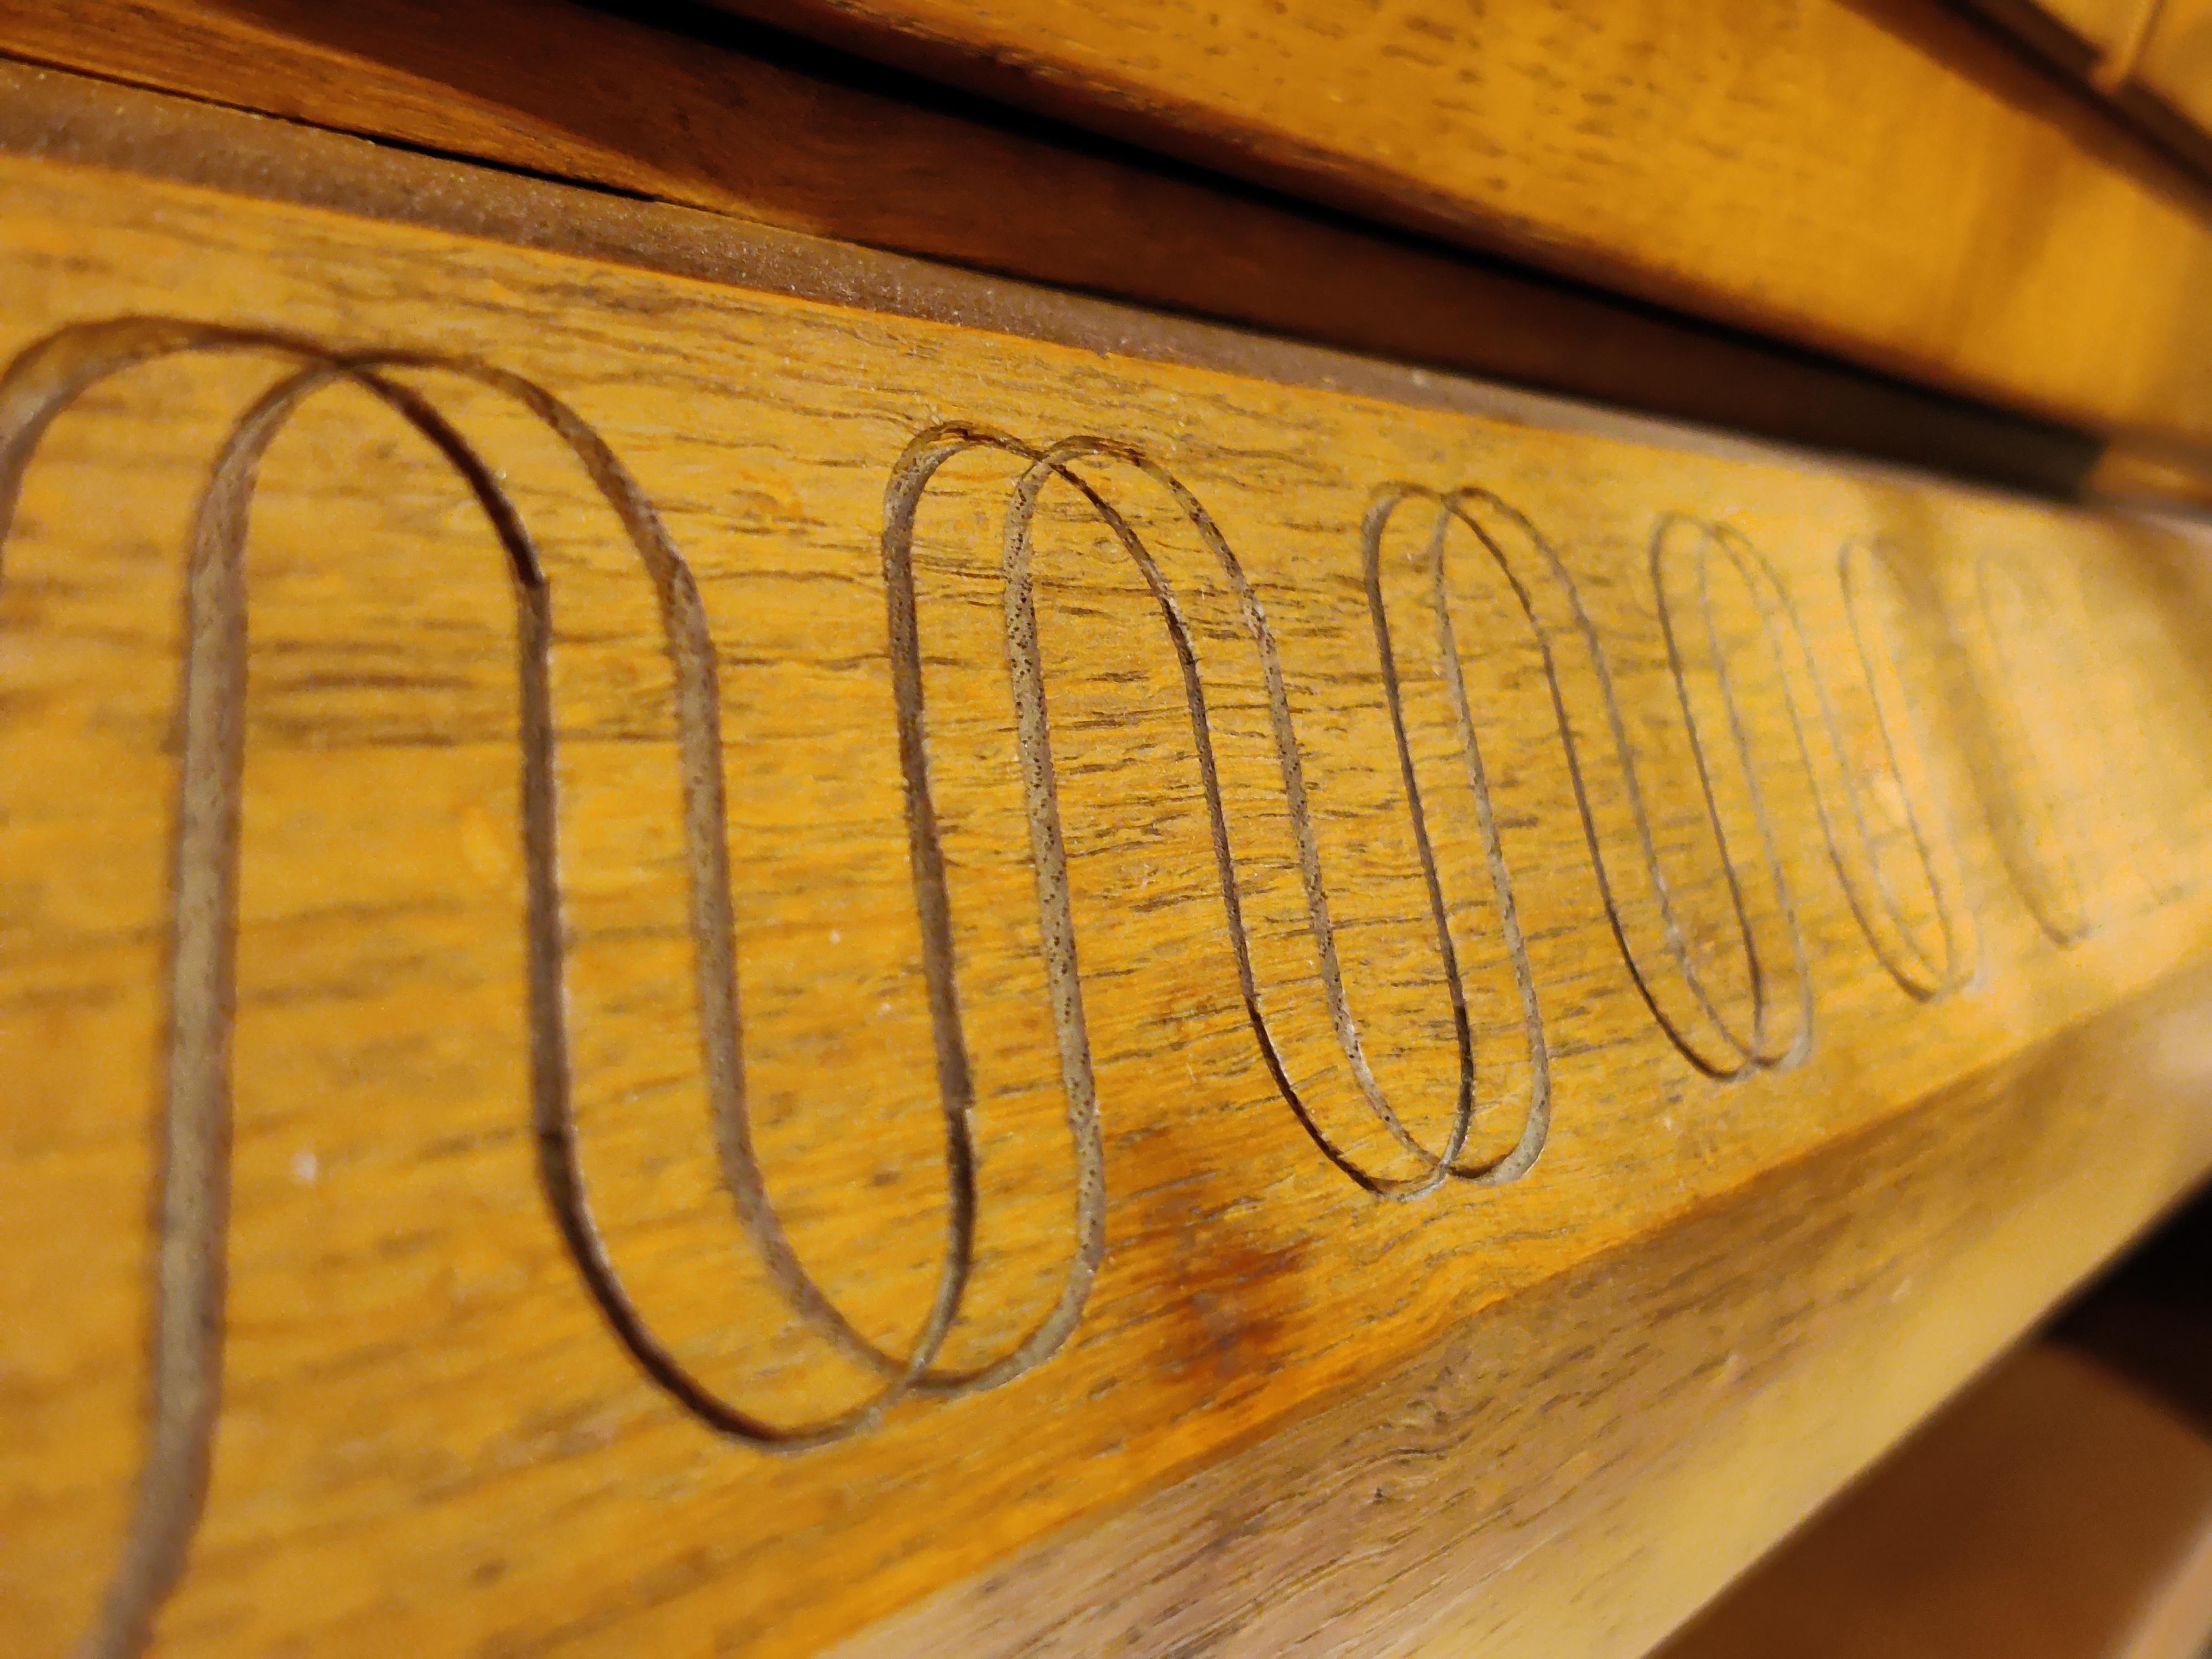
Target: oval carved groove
1924, 937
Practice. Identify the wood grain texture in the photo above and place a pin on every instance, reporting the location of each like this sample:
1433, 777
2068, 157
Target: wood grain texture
53, 115
568, 91
1579, 1468
1886, 180
2055, 1512
352, 856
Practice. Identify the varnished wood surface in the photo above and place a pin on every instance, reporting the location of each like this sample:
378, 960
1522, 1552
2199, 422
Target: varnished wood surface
1889, 181
2055, 1512
70, 117
703, 119
478, 858
1707, 1382
2146, 58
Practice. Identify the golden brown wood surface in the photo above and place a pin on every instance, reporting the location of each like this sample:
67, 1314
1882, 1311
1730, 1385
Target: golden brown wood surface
1576, 1469
571, 92
2177, 61
1211, 797
1888, 180
2055, 1512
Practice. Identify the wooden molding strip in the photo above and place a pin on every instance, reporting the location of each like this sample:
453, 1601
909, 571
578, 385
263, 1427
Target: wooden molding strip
51, 115
720, 118
764, 942
1884, 181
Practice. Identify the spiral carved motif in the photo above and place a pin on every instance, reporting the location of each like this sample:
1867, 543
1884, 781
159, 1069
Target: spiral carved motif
1919, 928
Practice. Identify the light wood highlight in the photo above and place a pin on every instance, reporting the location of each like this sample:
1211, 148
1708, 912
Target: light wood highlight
2055, 1512
1886, 180
473, 784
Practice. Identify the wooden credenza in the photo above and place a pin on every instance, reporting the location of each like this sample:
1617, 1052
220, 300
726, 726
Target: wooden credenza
788, 869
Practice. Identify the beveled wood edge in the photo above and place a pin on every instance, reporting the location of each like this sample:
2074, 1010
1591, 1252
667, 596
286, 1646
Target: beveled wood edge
1726, 1373
757, 123
2110, 72
2152, 477
56, 115
1001, 67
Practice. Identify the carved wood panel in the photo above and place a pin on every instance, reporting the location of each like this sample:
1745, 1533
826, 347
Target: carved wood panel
755, 951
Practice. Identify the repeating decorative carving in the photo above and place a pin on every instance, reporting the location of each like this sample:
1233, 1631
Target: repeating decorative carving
186, 1337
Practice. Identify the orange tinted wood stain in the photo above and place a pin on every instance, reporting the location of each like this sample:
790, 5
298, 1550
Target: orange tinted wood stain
1110, 768
1885, 179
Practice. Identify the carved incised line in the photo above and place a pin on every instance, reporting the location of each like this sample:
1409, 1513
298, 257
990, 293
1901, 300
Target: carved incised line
1724, 1050
185, 1337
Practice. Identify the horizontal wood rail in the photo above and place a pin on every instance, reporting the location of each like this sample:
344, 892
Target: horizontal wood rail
1579, 1469
695, 107
1885, 179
